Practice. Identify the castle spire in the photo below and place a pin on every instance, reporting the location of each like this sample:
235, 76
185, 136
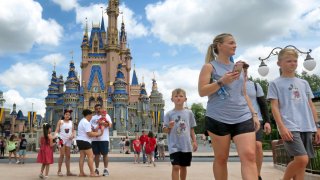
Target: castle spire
102, 22
85, 42
134, 81
123, 35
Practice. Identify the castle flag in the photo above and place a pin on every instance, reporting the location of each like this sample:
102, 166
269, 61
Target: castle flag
1, 114
32, 118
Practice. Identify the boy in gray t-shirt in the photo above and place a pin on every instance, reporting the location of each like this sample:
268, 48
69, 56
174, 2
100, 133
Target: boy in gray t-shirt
179, 123
294, 114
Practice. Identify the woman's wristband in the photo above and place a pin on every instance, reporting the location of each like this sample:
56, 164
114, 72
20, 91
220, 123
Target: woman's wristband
254, 114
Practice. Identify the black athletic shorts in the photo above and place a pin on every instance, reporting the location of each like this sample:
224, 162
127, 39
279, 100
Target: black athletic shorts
181, 158
83, 145
222, 129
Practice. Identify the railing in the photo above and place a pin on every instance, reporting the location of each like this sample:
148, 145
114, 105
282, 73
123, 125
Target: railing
281, 157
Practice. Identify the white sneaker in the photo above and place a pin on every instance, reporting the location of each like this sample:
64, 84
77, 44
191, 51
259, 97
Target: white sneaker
18, 162
105, 172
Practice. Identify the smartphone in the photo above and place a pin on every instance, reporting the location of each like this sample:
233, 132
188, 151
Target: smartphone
238, 67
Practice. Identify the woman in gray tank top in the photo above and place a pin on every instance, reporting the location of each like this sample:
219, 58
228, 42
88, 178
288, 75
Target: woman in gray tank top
230, 114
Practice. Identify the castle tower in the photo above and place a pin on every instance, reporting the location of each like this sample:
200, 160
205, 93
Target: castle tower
93, 66
156, 107
143, 108
120, 99
125, 56
51, 99
14, 117
2, 100
71, 94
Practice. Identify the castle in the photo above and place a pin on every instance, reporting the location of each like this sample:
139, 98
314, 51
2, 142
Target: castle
105, 75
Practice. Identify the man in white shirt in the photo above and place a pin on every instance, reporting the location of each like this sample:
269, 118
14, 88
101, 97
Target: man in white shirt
100, 145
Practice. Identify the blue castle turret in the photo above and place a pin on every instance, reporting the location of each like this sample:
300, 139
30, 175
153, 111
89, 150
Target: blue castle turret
120, 99
51, 99
71, 95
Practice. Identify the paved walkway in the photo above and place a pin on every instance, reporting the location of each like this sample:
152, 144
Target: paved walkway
130, 171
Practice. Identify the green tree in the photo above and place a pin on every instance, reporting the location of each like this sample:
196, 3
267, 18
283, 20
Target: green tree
263, 83
199, 114
313, 80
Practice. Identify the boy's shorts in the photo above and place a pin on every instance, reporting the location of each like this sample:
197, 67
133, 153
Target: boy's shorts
22, 152
301, 144
137, 152
222, 129
181, 158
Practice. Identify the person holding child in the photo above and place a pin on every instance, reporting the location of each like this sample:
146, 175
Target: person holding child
179, 123
100, 145
294, 113
85, 134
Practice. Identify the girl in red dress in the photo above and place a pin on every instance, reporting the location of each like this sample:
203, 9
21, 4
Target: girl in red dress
45, 154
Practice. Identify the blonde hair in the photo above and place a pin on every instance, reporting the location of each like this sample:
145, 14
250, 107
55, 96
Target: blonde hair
213, 48
287, 52
178, 91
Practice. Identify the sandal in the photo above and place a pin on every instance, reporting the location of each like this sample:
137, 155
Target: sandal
60, 173
94, 175
82, 175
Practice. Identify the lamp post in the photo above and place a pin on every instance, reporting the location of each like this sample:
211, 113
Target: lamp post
309, 63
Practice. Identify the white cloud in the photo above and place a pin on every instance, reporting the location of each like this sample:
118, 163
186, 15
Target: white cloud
54, 59
134, 29
92, 13
23, 27
189, 22
26, 77
156, 54
24, 104
66, 5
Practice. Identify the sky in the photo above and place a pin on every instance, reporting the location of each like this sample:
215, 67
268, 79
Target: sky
167, 38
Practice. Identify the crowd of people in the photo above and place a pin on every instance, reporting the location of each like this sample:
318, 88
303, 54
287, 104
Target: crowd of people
236, 111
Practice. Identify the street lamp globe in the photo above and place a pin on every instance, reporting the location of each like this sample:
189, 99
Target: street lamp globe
263, 69
309, 63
